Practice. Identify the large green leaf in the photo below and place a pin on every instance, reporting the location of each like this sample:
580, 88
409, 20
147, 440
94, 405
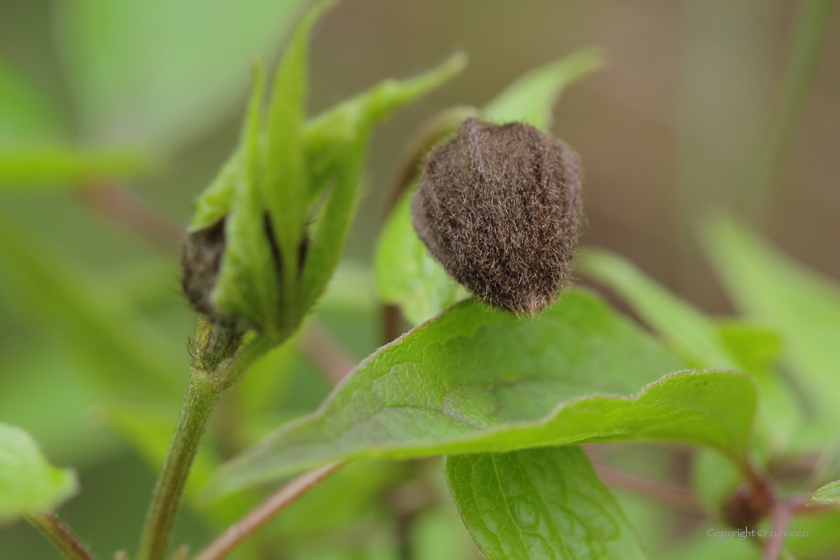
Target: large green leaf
539, 503
157, 72
703, 342
28, 483
802, 306
478, 380
406, 274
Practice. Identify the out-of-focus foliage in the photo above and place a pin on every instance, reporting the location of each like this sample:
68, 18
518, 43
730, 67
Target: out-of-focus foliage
28, 483
155, 73
93, 352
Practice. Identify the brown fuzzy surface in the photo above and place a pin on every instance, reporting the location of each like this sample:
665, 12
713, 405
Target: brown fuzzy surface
201, 259
499, 207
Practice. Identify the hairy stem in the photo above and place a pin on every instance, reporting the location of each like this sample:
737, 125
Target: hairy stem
62, 536
204, 391
160, 519
263, 513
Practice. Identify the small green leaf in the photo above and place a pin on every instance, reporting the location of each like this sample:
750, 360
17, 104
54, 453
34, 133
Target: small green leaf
340, 137
329, 134
530, 99
476, 380
828, 494
285, 182
803, 307
28, 483
537, 504
756, 350
247, 281
59, 166
214, 203
406, 274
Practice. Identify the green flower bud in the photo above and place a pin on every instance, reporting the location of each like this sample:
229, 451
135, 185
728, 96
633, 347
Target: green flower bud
201, 260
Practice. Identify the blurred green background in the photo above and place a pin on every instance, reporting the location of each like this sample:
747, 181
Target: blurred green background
139, 102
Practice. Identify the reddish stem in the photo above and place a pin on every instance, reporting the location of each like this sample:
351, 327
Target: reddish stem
264, 512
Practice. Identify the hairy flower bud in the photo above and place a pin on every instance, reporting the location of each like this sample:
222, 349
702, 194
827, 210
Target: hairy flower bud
499, 207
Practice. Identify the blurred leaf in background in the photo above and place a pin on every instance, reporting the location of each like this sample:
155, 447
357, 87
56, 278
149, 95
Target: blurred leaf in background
28, 483
25, 114
158, 72
804, 307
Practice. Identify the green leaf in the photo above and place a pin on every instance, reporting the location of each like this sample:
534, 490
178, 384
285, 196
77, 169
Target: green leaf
214, 202
63, 166
28, 483
155, 73
539, 503
406, 274
341, 137
285, 182
756, 350
530, 99
247, 281
478, 380
802, 306
693, 335
702, 342
123, 354
828, 494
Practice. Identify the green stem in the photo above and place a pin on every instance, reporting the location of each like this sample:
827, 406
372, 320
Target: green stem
810, 30
49, 524
195, 415
205, 390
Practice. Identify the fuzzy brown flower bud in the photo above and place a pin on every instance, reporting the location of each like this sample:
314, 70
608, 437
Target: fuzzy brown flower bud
499, 207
